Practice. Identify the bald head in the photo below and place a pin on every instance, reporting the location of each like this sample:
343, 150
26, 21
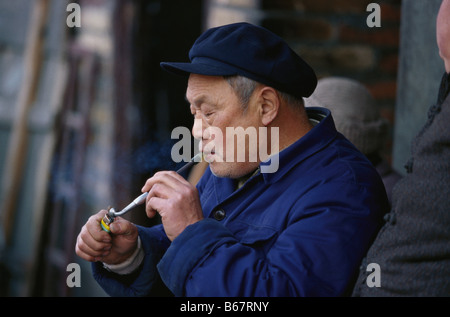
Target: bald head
443, 33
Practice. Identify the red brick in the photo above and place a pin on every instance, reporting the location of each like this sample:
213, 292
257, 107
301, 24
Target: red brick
390, 12
280, 4
336, 6
384, 36
304, 29
389, 63
384, 89
351, 58
317, 6
388, 114
390, 8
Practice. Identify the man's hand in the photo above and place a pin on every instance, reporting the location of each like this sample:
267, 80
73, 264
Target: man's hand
175, 199
94, 244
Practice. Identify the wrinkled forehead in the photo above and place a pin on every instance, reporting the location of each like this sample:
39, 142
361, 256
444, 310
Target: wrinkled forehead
202, 89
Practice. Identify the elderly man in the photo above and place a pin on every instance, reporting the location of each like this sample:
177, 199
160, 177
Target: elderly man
300, 229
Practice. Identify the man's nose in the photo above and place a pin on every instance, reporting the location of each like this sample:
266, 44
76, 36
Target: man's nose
197, 129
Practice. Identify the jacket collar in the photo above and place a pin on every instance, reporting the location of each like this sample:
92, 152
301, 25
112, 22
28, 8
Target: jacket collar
315, 140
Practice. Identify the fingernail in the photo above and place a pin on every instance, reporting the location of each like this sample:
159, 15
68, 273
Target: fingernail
115, 227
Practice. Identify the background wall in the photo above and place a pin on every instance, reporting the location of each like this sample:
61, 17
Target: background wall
419, 75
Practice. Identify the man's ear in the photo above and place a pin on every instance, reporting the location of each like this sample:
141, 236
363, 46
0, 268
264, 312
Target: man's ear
269, 105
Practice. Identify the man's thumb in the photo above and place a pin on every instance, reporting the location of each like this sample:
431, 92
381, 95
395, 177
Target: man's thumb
121, 227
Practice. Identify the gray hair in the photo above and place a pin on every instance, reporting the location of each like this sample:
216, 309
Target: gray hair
244, 88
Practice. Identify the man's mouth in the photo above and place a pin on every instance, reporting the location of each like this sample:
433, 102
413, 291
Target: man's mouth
209, 156
207, 149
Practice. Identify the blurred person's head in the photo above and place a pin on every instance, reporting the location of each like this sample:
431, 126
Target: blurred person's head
354, 110
443, 33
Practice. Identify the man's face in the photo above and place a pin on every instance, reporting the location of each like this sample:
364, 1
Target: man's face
216, 107
443, 33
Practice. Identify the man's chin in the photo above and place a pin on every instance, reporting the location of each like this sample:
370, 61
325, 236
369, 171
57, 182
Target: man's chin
232, 169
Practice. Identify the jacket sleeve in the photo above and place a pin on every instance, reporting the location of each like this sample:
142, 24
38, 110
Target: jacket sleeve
317, 254
145, 281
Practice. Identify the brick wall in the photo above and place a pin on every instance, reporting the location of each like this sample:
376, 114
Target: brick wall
332, 36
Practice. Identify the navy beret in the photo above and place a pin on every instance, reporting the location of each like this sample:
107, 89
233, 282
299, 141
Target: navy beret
250, 51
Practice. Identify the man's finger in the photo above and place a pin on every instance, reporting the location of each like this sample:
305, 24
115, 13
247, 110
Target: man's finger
154, 205
90, 249
169, 178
